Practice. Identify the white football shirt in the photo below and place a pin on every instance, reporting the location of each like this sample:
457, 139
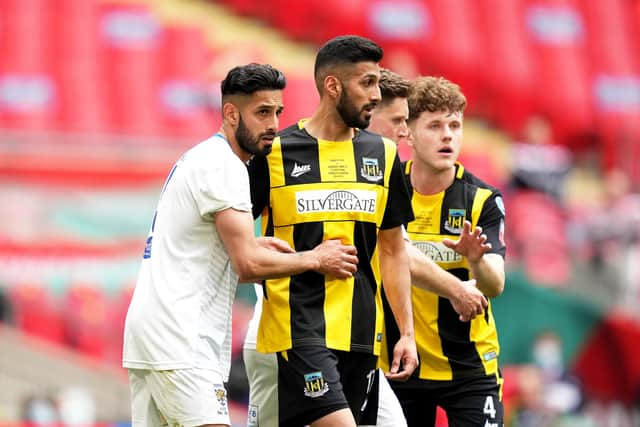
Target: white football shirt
180, 313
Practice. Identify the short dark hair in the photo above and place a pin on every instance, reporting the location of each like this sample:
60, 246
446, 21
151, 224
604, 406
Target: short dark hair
250, 78
344, 50
392, 86
435, 94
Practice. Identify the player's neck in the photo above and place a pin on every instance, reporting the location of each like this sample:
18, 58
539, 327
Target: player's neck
427, 181
327, 124
229, 136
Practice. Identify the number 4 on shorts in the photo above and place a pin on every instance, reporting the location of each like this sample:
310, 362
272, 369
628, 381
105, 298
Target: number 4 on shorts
489, 408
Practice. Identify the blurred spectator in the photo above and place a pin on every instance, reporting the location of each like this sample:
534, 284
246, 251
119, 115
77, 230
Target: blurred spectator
561, 390
76, 406
548, 392
39, 410
537, 162
612, 231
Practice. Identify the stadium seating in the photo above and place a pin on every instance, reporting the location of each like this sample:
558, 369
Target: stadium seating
81, 106
537, 237
453, 46
615, 85
28, 90
36, 312
121, 70
557, 35
86, 319
300, 97
130, 40
509, 68
118, 305
182, 83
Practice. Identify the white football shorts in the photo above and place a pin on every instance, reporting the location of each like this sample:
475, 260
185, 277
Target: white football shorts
177, 398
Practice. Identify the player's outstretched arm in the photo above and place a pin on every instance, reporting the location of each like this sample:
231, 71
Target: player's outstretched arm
466, 299
252, 261
394, 267
487, 268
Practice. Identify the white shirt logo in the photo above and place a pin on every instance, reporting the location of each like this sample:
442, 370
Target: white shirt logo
336, 201
299, 170
438, 252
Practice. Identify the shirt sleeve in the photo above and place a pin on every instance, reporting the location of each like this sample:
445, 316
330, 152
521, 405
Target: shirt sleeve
219, 186
398, 210
259, 182
492, 221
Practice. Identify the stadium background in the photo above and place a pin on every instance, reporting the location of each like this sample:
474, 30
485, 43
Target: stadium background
98, 99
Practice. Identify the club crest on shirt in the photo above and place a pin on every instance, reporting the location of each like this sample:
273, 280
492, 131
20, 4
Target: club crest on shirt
314, 385
370, 169
455, 220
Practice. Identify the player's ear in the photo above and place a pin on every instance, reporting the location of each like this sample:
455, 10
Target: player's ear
230, 113
333, 86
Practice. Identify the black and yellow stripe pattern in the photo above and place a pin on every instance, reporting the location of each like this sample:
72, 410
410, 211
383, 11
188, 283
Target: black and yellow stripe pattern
319, 190
448, 348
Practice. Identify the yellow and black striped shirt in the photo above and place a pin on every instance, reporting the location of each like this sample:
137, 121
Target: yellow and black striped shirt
448, 348
311, 190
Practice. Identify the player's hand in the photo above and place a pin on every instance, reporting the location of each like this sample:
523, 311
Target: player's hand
469, 302
336, 260
275, 244
405, 359
471, 245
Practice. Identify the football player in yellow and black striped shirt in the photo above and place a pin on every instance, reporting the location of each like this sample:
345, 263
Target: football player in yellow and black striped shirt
459, 223
328, 178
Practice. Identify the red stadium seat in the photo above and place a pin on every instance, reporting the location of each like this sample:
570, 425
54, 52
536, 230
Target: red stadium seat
116, 315
130, 47
537, 233
616, 80
481, 164
332, 18
509, 72
182, 85
558, 37
401, 28
37, 312
453, 47
85, 320
300, 99
298, 21
28, 90
77, 66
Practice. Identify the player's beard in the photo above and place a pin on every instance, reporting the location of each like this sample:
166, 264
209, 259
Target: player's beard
249, 142
350, 114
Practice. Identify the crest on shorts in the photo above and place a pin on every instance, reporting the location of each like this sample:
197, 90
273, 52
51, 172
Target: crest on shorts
221, 396
314, 385
370, 169
252, 417
455, 220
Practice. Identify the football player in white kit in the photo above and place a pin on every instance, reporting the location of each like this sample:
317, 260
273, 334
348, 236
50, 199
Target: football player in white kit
177, 339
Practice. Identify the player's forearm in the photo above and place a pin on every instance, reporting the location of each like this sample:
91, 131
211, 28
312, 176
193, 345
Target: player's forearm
489, 274
261, 263
428, 275
394, 266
